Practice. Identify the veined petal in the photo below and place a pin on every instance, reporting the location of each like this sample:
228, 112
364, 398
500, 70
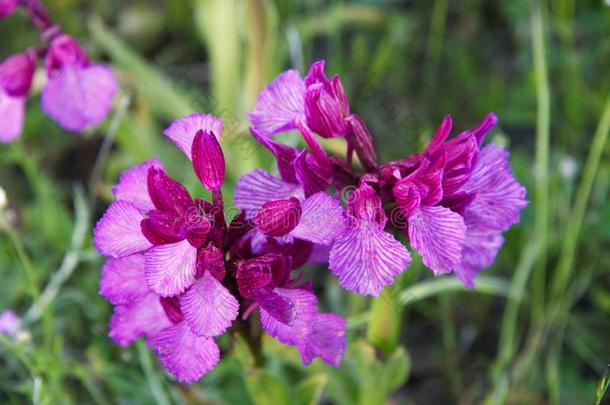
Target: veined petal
118, 233
12, 111
208, 307
327, 340
479, 251
77, 97
122, 280
257, 187
367, 258
279, 104
186, 355
322, 220
305, 307
182, 131
170, 269
499, 197
437, 234
133, 185
143, 318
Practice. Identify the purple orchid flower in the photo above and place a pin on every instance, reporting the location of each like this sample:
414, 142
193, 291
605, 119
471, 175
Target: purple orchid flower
78, 94
179, 275
16, 74
7, 7
453, 201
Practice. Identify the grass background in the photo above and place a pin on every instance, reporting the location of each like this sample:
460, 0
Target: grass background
534, 331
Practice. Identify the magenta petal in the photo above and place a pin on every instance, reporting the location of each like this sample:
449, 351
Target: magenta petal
170, 269
257, 187
7, 7
499, 197
9, 323
184, 354
437, 233
327, 340
367, 258
305, 306
133, 185
479, 251
77, 97
279, 104
182, 131
208, 160
208, 307
12, 111
118, 233
122, 280
143, 318
322, 220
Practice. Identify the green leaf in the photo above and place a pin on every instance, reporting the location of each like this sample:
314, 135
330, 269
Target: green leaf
265, 388
396, 370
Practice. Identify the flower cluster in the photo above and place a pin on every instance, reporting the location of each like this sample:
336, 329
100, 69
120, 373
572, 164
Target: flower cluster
452, 201
77, 93
180, 275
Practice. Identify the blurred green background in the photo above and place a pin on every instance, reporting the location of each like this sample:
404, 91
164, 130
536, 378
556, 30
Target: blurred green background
535, 330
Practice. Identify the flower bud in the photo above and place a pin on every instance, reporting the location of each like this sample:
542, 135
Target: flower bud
208, 160
16, 74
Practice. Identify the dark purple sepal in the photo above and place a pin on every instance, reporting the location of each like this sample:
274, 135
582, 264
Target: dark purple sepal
162, 227
211, 259
65, 51
363, 143
284, 155
312, 176
252, 275
279, 307
208, 160
16, 73
166, 193
279, 217
171, 306
364, 203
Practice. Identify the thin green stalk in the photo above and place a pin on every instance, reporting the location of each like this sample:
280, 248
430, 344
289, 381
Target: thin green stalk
565, 265
541, 197
155, 384
434, 47
26, 262
508, 332
450, 346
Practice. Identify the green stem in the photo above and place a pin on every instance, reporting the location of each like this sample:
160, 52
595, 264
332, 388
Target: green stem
434, 46
541, 197
572, 232
450, 347
26, 262
155, 384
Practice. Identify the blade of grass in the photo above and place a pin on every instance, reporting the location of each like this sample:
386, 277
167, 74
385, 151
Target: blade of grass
541, 197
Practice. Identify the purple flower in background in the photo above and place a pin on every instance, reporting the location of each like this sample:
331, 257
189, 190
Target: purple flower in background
9, 323
7, 7
78, 94
179, 275
16, 74
453, 201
